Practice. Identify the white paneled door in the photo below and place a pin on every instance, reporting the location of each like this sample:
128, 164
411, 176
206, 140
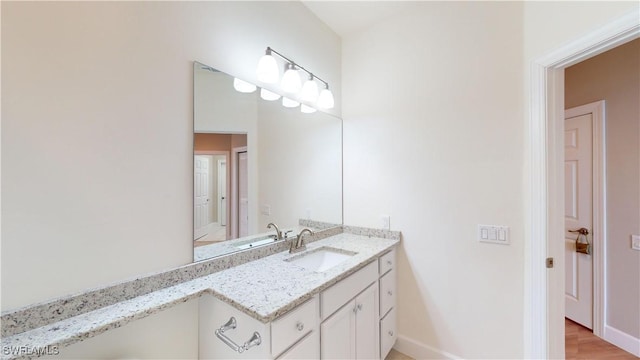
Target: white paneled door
578, 177
201, 196
222, 192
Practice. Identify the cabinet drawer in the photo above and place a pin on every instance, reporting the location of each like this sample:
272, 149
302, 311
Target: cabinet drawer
291, 327
387, 261
387, 333
339, 294
387, 292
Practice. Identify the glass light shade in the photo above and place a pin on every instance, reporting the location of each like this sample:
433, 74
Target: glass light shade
291, 81
307, 109
325, 100
286, 102
268, 71
243, 86
309, 91
268, 95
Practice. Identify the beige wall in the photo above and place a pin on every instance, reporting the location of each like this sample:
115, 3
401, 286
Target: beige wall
99, 95
615, 77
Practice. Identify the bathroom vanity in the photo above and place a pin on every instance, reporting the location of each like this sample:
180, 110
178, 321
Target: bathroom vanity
334, 300
283, 307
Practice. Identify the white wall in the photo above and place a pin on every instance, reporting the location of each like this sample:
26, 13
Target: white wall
433, 126
99, 96
436, 135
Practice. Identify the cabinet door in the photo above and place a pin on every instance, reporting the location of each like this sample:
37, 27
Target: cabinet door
367, 324
307, 348
337, 334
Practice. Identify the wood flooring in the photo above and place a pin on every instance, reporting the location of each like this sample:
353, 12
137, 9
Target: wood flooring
580, 343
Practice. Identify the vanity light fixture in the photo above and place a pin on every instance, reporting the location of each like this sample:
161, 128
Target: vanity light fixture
309, 90
325, 100
291, 79
243, 86
290, 83
268, 95
268, 71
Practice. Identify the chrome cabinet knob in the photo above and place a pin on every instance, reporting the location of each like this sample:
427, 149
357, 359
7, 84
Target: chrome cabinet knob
359, 306
389, 262
390, 292
300, 326
390, 332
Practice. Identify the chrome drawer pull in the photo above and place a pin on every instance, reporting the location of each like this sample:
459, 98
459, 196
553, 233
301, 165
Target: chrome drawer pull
300, 326
255, 340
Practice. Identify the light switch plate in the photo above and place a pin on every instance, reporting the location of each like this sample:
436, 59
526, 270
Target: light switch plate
265, 210
495, 234
635, 242
385, 222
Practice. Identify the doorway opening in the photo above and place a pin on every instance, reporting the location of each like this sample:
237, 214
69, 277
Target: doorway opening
545, 287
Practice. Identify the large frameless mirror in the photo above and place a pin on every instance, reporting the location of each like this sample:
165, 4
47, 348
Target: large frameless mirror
257, 162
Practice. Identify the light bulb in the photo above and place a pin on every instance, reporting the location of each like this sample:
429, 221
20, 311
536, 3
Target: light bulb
268, 71
268, 95
243, 86
309, 91
307, 109
286, 102
291, 80
325, 100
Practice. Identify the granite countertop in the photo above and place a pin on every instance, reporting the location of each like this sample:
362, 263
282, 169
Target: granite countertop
265, 289
271, 286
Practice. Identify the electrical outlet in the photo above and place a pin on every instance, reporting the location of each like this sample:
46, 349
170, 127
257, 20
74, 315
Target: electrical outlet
385, 222
265, 210
635, 242
495, 234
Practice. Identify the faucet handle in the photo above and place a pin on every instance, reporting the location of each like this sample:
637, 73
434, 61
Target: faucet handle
286, 233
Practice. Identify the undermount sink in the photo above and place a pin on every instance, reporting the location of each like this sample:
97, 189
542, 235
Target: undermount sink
321, 259
248, 244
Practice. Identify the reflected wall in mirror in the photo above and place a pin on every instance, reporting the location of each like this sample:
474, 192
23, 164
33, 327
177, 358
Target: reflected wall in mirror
257, 162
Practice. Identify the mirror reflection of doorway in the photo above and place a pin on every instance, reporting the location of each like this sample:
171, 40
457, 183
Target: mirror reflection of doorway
215, 160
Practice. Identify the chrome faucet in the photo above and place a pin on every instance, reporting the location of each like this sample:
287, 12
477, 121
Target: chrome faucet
278, 232
299, 245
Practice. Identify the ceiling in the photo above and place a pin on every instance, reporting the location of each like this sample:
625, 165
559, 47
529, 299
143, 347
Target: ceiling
346, 17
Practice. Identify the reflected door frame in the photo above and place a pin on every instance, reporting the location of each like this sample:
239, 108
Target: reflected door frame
233, 214
226, 155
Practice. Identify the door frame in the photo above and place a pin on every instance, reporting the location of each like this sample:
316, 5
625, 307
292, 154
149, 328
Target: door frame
219, 202
226, 155
233, 214
544, 288
599, 209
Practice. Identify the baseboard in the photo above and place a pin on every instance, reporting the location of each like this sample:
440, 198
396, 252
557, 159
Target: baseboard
622, 340
418, 350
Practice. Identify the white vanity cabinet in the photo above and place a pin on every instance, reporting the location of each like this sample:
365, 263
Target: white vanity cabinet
388, 332
293, 335
353, 319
